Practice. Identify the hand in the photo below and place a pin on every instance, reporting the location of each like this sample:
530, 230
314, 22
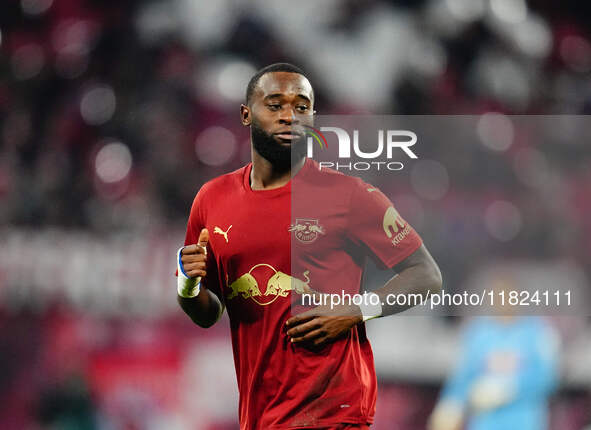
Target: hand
446, 416
491, 392
323, 324
194, 257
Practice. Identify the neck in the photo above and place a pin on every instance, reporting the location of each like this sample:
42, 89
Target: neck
265, 176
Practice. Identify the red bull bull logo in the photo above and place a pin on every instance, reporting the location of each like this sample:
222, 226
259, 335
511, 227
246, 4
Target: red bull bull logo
278, 285
306, 230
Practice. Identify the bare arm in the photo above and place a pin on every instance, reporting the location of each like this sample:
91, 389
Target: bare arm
417, 274
204, 309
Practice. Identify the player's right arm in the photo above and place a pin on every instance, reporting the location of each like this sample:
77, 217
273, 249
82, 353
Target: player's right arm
204, 304
205, 308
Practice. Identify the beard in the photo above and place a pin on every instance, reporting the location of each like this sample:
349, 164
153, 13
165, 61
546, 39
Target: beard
281, 157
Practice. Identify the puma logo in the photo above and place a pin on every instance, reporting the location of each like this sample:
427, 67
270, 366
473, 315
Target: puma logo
218, 230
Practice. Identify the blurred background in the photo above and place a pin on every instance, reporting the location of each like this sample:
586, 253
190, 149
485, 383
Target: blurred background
113, 114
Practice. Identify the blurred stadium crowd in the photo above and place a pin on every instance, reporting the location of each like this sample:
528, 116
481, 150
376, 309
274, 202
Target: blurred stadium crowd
112, 114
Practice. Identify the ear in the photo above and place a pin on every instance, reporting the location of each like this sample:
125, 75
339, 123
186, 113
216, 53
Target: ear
245, 116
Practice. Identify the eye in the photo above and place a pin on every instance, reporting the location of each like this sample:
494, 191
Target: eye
302, 108
274, 107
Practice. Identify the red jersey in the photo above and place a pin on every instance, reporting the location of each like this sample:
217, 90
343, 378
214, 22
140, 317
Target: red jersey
318, 228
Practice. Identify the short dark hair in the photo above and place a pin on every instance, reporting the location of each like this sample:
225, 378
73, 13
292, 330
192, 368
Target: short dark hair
276, 67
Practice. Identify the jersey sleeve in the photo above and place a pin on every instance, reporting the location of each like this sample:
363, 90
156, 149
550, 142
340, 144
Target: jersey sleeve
195, 224
374, 222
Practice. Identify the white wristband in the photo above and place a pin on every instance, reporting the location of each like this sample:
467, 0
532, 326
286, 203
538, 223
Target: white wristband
186, 287
371, 306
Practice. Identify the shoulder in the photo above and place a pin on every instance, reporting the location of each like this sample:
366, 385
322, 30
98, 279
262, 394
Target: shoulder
328, 187
334, 179
214, 190
220, 185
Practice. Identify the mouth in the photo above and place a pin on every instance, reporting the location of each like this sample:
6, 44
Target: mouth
287, 136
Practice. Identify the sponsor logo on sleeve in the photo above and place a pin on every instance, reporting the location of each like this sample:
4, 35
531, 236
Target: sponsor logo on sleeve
395, 227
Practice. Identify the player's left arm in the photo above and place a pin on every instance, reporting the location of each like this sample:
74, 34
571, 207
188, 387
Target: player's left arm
418, 274
375, 224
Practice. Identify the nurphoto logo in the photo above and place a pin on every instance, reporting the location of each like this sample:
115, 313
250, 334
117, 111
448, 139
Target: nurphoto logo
388, 143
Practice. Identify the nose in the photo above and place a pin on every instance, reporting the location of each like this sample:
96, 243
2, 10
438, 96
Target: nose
288, 116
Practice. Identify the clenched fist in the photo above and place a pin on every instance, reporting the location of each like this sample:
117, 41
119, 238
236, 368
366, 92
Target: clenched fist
194, 257
191, 265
